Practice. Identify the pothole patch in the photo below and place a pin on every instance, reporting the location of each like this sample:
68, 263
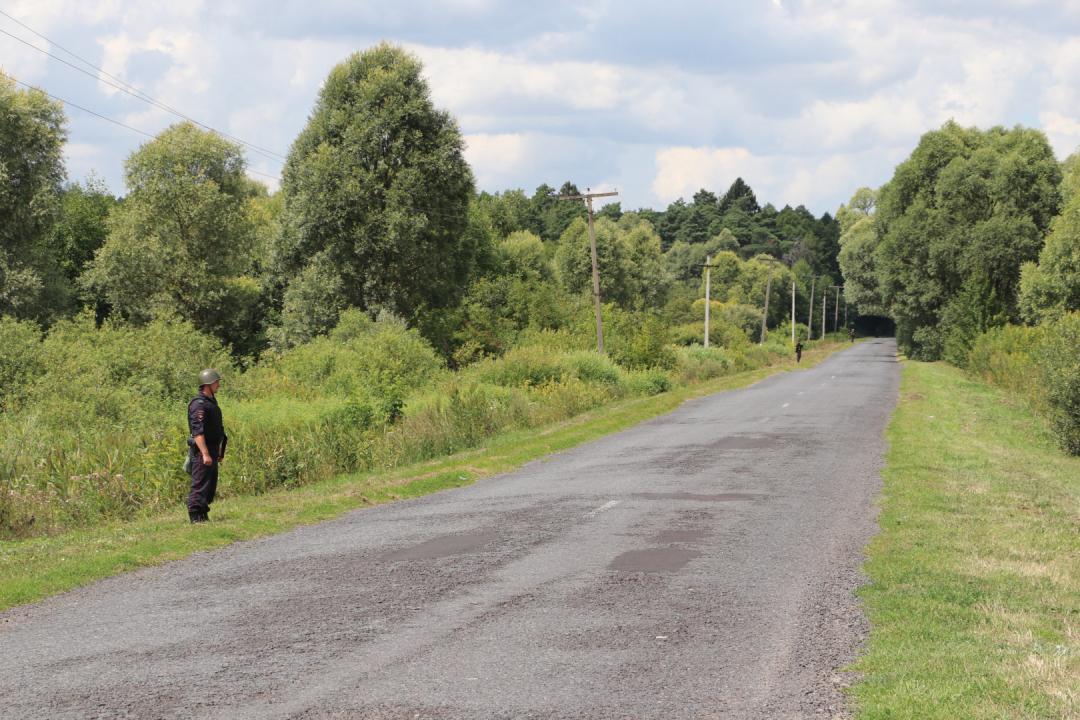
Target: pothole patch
653, 560
441, 547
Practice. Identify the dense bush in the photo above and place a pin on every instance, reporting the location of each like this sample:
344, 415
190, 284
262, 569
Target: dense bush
1043, 364
1005, 357
1059, 376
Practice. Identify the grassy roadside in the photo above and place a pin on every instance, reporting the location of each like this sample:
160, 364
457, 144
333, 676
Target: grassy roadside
973, 601
34, 569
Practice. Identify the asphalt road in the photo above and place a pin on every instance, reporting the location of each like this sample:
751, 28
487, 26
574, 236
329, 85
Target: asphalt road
698, 565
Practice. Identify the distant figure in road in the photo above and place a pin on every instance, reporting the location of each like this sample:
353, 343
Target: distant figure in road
207, 446
852, 334
798, 351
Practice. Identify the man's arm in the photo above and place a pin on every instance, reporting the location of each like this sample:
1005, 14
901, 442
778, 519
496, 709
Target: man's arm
200, 441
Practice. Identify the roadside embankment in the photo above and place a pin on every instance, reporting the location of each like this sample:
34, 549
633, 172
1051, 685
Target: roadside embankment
974, 593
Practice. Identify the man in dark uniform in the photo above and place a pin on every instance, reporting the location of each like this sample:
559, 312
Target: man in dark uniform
208, 448
798, 351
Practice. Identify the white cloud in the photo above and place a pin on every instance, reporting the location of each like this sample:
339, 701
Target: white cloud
811, 98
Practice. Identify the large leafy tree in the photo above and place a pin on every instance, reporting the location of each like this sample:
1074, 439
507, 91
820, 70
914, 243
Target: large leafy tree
628, 259
857, 247
967, 202
377, 195
32, 136
181, 242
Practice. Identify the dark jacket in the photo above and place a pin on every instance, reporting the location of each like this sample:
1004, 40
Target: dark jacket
204, 418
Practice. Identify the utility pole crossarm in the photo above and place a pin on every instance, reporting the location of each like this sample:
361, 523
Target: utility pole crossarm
586, 197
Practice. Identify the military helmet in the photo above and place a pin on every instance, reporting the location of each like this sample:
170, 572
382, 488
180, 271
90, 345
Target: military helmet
209, 377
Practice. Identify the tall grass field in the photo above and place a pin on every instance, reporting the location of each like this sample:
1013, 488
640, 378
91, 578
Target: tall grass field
94, 427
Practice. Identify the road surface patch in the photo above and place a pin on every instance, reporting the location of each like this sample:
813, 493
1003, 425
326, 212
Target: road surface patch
653, 560
721, 497
441, 547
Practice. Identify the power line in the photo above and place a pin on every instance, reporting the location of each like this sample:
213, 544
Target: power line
116, 122
138, 94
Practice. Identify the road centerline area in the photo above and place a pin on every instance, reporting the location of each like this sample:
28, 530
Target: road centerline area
720, 587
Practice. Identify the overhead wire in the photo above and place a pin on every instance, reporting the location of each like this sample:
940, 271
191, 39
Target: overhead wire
117, 122
131, 90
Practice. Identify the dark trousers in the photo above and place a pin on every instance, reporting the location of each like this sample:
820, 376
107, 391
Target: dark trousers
203, 481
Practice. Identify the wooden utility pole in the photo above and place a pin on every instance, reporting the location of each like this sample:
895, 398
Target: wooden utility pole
708, 284
792, 312
824, 303
768, 288
836, 315
587, 197
810, 320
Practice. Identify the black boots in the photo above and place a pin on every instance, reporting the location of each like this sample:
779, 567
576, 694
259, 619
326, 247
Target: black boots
198, 517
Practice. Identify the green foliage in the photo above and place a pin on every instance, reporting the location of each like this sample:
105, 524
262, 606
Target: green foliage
522, 255
644, 345
744, 317
375, 364
377, 193
968, 315
649, 382
966, 203
856, 257
21, 361
697, 363
180, 243
628, 262
82, 225
1052, 287
1059, 377
120, 376
525, 367
1041, 363
1005, 357
32, 137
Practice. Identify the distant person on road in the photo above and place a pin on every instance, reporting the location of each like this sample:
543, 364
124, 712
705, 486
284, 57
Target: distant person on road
798, 351
206, 446
852, 334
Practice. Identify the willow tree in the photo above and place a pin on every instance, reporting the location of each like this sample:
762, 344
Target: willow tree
966, 203
180, 243
376, 192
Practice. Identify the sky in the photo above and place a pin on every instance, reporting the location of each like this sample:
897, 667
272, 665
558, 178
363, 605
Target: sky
806, 101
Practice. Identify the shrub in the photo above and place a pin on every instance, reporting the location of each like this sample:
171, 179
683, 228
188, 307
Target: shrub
697, 363
775, 347
648, 346
1059, 376
1005, 356
649, 382
592, 367
360, 357
522, 367
21, 360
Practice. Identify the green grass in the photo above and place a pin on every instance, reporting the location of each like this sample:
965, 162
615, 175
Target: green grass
36, 568
975, 576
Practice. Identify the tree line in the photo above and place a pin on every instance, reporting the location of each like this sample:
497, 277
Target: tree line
378, 212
